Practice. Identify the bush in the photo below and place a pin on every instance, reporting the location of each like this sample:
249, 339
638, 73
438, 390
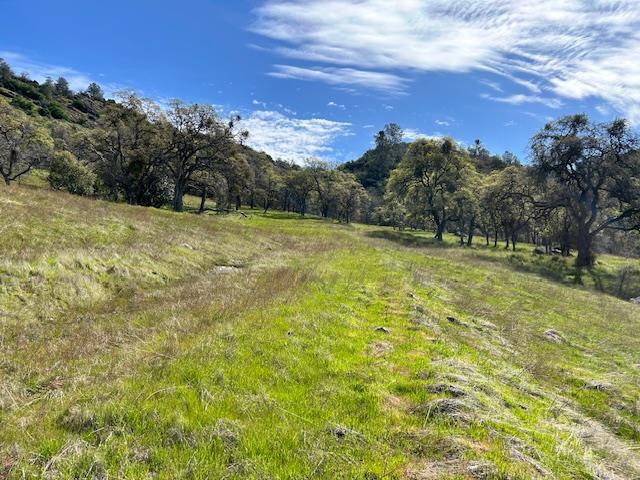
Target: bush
57, 111
26, 88
67, 173
24, 104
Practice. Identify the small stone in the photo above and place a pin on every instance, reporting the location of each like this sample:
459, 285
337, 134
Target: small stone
455, 321
554, 336
452, 390
482, 470
598, 386
382, 329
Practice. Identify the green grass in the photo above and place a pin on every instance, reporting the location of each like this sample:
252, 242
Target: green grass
139, 343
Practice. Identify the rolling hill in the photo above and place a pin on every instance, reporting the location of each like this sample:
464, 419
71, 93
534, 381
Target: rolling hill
141, 343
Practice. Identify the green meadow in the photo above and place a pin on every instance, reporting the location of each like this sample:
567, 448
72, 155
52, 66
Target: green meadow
142, 343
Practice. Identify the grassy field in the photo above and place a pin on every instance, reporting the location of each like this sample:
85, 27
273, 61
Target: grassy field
141, 343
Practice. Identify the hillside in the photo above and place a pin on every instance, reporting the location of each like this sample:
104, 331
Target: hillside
138, 342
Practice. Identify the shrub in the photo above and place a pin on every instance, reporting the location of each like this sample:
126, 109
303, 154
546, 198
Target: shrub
57, 111
24, 104
67, 173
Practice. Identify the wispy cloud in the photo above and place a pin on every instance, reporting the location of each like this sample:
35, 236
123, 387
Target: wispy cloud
344, 77
443, 123
520, 99
293, 139
565, 48
336, 105
39, 71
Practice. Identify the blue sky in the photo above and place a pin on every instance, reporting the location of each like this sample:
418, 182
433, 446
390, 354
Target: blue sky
319, 77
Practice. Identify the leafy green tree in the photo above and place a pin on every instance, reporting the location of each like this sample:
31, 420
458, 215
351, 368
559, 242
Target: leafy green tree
512, 194
351, 197
428, 177
24, 143
48, 88
62, 87
299, 185
6, 74
67, 173
95, 91
195, 139
596, 167
373, 168
129, 151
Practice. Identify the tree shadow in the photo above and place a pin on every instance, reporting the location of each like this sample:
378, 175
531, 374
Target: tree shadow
623, 282
408, 239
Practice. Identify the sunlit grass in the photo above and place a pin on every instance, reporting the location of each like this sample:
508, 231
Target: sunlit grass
139, 342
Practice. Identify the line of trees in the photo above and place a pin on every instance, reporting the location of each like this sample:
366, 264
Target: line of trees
137, 152
584, 178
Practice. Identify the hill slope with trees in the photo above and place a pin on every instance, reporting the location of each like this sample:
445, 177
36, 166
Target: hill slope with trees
141, 342
580, 192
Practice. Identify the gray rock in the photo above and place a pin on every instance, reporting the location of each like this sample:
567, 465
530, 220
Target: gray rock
554, 336
452, 390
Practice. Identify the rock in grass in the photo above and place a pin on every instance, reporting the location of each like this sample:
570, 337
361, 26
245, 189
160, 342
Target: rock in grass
342, 432
382, 329
452, 390
539, 251
598, 386
553, 336
482, 470
455, 321
635, 300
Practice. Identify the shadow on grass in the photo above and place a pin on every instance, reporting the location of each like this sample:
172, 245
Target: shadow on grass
409, 239
623, 283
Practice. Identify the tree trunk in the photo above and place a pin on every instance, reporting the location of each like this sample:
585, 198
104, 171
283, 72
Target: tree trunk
487, 238
495, 239
203, 199
238, 202
472, 226
178, 194
440, 226
513, 242
585, 256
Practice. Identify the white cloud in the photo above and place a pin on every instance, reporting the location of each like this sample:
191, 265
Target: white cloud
293, 139
413, 134
443, 123
343, 77
258, 102
335, 105
39, 71
519, 99
568, 48
367, 126
510, 123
